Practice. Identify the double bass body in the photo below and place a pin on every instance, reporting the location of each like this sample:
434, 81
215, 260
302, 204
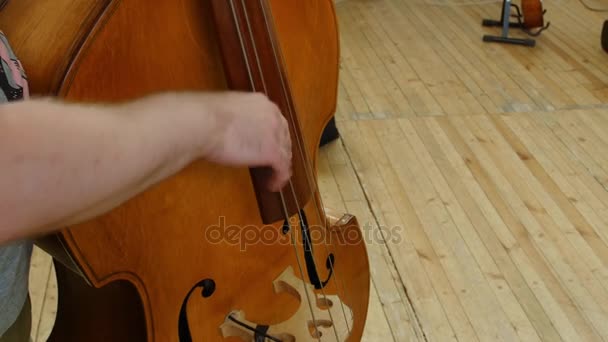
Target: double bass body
191, 259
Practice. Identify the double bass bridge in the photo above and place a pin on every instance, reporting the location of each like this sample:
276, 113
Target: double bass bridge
300, 326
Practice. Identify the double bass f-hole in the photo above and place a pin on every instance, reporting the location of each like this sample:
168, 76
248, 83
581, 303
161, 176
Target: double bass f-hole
207, 287
313, 275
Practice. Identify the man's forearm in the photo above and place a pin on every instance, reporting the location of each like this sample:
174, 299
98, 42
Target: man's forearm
64, 163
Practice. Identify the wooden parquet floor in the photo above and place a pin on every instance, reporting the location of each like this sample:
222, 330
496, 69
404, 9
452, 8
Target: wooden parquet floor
485, 227
481, 169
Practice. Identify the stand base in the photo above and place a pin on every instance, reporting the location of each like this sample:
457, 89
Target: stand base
508, 40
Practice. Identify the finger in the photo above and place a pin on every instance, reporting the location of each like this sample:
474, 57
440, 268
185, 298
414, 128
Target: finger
286, 133
281, 174
286, 151
277, 182
287, 142
282, 159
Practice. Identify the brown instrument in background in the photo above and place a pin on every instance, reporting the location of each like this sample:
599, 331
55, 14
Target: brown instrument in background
206, 255
533, 14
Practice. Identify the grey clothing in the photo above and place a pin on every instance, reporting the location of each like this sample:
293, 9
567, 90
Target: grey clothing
21, 330
14, 281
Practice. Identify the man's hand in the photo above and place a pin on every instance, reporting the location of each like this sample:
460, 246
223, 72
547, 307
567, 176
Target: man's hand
251, 132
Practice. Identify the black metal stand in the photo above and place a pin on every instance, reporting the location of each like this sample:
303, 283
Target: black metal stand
506, 24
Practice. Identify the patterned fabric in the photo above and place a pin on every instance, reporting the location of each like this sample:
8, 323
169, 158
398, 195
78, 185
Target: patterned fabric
13, 80
14, 257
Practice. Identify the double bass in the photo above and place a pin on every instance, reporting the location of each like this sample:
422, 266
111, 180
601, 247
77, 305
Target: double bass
207, 254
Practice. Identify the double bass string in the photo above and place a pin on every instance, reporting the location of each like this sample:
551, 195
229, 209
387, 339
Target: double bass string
310, 180
284, 206
291, 112
306, 159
